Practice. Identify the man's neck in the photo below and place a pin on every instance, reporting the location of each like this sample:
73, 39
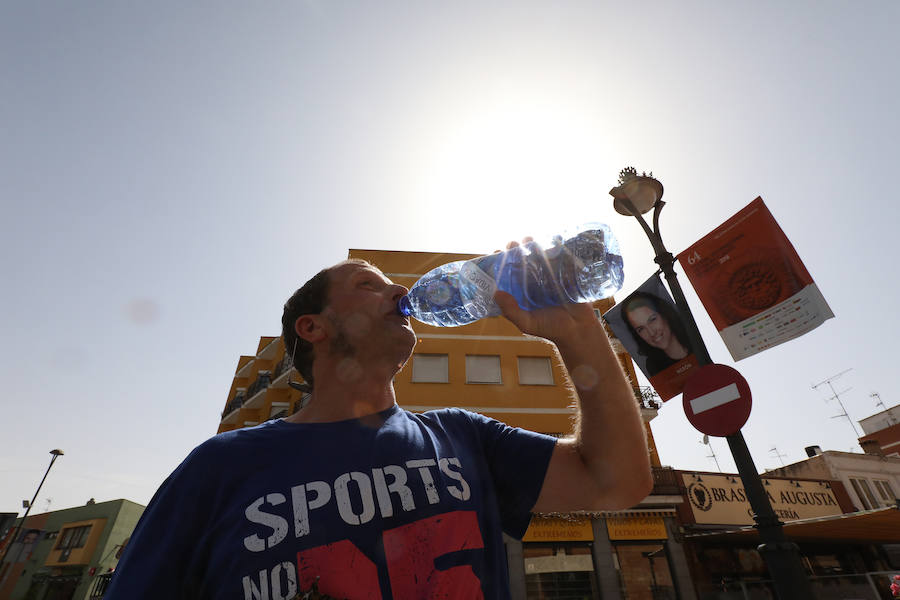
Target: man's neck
346, 392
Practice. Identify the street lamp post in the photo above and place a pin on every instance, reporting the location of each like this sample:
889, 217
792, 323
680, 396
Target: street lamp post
56, 452
634, 196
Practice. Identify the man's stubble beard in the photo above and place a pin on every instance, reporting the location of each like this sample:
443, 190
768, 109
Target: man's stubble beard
344, 348
349, 369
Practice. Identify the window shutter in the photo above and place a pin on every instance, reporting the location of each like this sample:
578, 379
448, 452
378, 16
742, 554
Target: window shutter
483, 369
430, 368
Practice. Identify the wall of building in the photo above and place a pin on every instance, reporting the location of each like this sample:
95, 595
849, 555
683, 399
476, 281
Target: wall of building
815, 467
885, 442
879, 421
49, 567
19, 561
871, 481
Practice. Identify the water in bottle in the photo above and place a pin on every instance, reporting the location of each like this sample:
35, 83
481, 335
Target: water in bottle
580, 267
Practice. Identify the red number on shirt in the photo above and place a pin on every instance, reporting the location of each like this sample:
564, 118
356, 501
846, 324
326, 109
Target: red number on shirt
410, 551
343, 571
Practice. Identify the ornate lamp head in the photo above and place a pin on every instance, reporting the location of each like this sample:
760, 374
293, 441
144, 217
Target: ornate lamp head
642, 190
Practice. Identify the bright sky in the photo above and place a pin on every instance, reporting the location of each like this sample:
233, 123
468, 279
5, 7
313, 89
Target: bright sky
171, 172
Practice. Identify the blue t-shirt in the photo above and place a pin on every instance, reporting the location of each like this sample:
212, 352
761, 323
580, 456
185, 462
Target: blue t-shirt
395, 505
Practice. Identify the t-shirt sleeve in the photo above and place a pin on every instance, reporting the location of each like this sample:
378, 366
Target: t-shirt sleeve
160, 559
518, 461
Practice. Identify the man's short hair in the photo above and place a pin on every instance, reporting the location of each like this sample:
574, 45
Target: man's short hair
310, 299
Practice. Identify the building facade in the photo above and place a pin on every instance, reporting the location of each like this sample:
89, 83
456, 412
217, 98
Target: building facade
66, 554
882, 433
871, 480
831, 507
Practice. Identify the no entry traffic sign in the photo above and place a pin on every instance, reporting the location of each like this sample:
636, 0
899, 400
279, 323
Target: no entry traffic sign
717, 400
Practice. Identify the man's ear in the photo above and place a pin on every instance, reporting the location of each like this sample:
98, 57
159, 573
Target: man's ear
309, 328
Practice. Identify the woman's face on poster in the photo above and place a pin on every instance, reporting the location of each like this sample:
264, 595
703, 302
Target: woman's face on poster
651, 326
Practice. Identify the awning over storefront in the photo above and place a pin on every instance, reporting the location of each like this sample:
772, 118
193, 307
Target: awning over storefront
880, 526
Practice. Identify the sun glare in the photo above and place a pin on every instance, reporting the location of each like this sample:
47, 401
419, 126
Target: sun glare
522, 164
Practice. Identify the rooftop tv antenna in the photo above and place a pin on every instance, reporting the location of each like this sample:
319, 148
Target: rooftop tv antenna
877, 396
712, 454
774, 450
837, 396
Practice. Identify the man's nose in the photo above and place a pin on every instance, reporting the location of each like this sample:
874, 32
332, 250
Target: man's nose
398, 291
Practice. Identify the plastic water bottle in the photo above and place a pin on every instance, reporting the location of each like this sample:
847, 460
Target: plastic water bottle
580, 267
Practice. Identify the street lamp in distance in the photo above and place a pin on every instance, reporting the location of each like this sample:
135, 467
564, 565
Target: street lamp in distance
56, 452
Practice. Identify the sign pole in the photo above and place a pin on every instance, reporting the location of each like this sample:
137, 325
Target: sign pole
781, 556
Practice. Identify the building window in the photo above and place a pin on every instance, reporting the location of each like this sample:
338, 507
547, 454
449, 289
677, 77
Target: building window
535, 370
885, 491
864, 493
73, 537
70, 539
483, 369
430, 368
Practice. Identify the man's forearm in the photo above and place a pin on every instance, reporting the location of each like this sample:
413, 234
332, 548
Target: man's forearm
609, 433
605, 466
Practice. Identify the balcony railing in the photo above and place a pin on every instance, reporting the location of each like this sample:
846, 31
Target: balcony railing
262, 382
98, 588
665, 482
647, 397
235, 404
282, 366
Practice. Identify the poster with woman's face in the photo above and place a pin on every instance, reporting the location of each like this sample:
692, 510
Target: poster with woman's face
21, 549
650, 327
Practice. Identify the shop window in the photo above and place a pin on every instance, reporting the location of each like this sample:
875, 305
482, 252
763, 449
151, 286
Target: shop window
483, 369
892, 551
535, 370
864, 493
430, 368
644, 569
555, 571
824, 564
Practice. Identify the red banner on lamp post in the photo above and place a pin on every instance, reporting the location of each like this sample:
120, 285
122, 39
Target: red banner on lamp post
753, 284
